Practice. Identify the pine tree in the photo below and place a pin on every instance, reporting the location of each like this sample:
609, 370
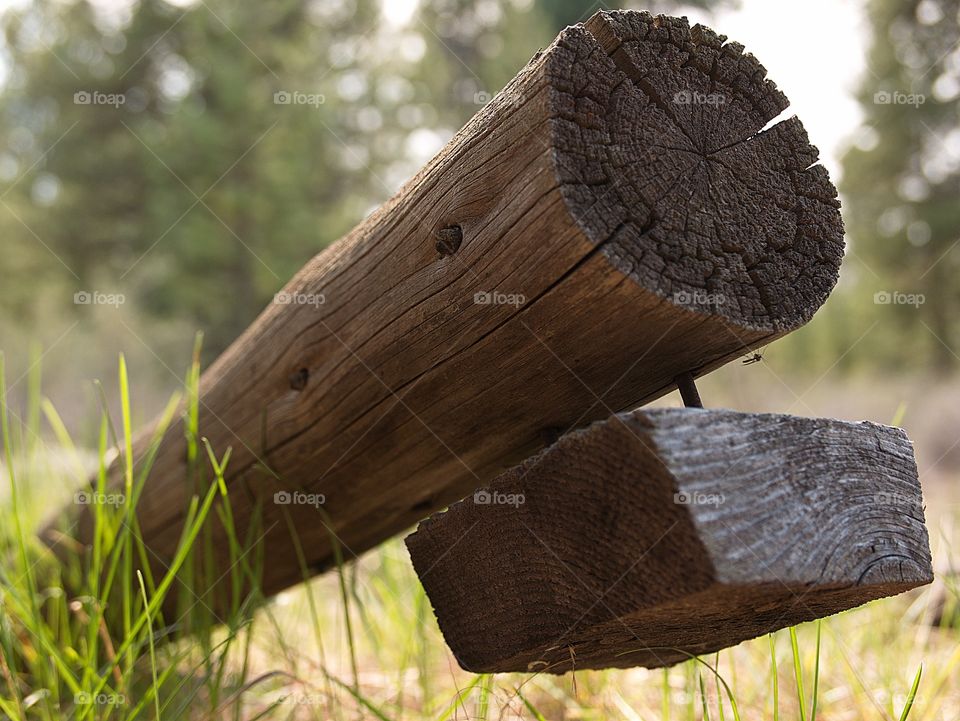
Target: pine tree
901, 182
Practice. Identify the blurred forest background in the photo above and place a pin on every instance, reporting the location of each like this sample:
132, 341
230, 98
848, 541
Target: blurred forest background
147, 154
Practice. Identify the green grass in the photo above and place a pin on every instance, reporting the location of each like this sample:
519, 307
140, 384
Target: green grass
135, 640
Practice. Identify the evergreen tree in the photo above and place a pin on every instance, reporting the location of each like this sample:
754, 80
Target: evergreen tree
901, 182
193, 156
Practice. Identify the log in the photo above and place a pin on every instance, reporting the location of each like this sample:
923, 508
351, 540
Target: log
591, 233
657, 535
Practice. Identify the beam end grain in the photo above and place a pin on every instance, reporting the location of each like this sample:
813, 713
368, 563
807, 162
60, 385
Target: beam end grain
659, 534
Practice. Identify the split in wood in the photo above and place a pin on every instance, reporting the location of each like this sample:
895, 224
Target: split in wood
658, 535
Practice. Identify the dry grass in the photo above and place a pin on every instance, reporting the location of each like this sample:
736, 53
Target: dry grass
363, 643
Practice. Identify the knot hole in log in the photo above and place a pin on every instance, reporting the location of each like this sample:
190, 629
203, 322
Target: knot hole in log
298, 380
449, 240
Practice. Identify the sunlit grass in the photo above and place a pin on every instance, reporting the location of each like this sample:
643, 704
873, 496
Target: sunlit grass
132, 639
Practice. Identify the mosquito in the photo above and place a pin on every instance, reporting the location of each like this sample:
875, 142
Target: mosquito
753, 358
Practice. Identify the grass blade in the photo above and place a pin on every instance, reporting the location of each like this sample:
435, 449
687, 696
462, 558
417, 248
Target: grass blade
798, 672
912, 696
775, 677
816, 675
153, 654
530, 707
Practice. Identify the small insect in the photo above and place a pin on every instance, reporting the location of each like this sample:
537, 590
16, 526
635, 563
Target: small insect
753, 358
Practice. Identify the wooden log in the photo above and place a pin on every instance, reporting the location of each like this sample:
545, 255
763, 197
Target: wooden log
657, 535
616, 216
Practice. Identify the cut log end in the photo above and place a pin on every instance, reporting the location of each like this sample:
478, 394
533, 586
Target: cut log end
666, 166
658, 535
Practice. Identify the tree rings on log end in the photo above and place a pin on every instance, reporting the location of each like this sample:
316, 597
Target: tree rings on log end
668, 166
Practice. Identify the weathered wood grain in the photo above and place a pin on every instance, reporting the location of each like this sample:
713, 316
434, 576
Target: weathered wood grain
612, 235
659, 534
